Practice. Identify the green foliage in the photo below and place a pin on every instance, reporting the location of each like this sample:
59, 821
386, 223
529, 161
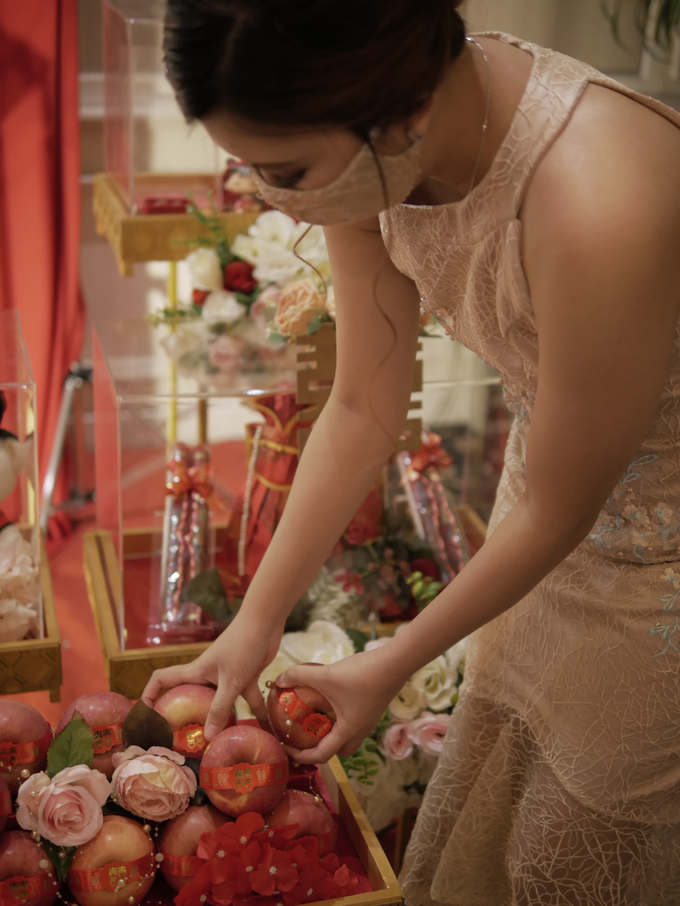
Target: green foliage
61, 865
73, 746
424, 588
359, 638
363, 766
145, 727
660, 19
207, 591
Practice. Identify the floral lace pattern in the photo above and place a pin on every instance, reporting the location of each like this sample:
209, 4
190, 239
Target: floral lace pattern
559, 781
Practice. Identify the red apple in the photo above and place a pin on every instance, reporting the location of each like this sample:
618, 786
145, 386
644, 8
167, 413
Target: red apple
121, 852
244, 789
186, 709
179, 841
25, 736
310, 812
300, 716
104, 713
24, 859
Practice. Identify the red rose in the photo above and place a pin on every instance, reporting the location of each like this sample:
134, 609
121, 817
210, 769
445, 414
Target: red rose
238, 277
198, 296
427, 567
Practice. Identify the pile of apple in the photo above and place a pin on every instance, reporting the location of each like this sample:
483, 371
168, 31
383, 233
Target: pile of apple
243, 769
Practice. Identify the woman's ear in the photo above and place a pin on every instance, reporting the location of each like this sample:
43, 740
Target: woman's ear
420, 120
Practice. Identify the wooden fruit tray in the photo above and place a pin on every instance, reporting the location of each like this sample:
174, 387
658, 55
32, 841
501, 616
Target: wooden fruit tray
34, 665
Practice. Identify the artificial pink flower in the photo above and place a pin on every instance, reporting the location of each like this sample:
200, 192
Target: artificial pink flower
153, 784
428, 732
396, 742
67, 810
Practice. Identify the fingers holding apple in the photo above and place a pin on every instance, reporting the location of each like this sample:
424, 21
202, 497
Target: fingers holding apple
186, 708
300, 715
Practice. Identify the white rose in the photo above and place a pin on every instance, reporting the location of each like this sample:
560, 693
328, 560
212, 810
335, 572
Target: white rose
252, 249
313, 247
18, 569
279, 665
455, 656
275, 228
206, 270
280, 267
185, 339
222, 307
387, 799
408, 703
321, 643
437, 684
16, 620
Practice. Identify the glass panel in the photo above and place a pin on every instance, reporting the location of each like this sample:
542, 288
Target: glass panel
21, 614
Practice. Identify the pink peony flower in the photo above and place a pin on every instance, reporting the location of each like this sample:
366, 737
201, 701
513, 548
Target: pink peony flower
67, 810
395, 741
153, 784
428, 732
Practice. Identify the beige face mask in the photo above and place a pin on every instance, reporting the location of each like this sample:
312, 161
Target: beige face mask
356, 194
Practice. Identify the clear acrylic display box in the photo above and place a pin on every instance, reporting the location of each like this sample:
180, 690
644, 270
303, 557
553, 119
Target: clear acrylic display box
19, 523
153, 155
141, 408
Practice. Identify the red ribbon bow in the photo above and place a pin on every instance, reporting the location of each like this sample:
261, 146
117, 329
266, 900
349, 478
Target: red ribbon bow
430, 454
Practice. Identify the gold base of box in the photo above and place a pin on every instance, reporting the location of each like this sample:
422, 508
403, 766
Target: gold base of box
136, 238
128, 670
34, 665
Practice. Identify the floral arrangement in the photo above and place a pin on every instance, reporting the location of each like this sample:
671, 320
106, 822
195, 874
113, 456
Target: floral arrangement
19, 586
244, 859
251, 297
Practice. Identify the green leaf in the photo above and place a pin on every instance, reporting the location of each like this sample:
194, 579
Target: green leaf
359, 638
62, 866
145, 727
207, 591
316, 323
73, 746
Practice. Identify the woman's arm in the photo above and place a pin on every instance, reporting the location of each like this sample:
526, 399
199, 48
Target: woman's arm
377, 336
601, 240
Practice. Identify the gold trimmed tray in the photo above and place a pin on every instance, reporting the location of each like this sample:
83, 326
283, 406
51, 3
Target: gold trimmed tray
34, 665
386, 890
136, 238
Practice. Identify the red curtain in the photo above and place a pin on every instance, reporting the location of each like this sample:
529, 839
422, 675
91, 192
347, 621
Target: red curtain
40, 191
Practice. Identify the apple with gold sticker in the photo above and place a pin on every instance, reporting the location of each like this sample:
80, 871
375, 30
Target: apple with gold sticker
117, 866
185, 707
244, 769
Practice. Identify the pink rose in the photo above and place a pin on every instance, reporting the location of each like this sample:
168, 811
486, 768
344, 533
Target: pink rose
68, 810
395, 741
428, 732
28, 800
152, 784
299, 304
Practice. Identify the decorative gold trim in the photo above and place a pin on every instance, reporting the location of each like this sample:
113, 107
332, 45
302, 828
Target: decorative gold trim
151, 237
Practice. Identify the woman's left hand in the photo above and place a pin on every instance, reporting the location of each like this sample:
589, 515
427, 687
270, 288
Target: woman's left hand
359, 688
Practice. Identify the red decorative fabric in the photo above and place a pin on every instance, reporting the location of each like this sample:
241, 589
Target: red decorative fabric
40, 192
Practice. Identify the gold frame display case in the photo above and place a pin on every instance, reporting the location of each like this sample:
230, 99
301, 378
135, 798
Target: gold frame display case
141, 409
31, 663
155, 163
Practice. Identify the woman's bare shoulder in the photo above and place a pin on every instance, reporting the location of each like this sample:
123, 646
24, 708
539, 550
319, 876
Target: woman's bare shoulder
611, 178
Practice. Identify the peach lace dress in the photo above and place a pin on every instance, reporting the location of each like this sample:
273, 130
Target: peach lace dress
559, 782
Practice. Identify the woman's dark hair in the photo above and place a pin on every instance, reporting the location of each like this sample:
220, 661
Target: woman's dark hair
358, 64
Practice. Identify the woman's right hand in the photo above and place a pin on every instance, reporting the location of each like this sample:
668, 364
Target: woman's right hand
232, 663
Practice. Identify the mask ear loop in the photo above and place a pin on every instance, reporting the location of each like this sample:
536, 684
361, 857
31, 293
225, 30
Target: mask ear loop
300, 258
